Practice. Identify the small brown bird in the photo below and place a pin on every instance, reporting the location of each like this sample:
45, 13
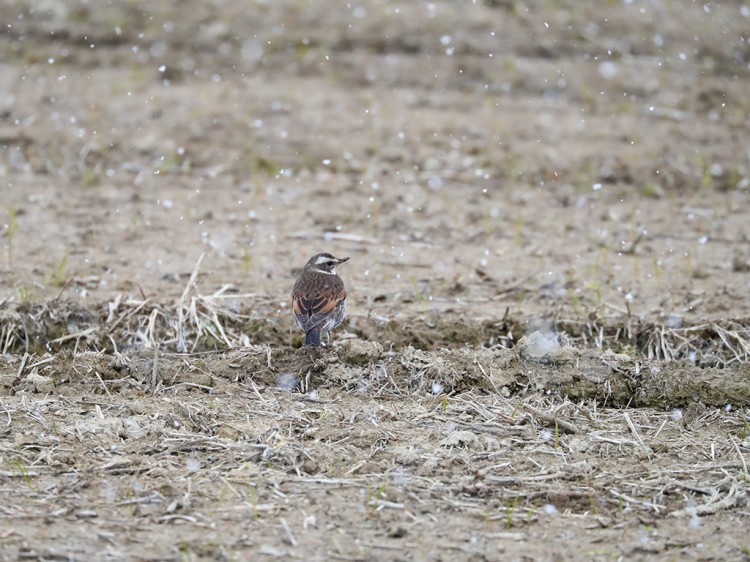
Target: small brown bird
319, 297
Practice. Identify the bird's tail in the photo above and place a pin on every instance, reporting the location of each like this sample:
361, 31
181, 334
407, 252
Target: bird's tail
312, 337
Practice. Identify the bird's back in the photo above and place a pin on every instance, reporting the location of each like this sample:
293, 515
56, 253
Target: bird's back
315, 296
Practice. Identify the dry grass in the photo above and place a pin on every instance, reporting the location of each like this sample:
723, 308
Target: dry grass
499, 466
225, 320
712, 344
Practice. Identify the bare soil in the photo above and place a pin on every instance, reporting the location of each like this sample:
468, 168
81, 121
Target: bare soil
546, 350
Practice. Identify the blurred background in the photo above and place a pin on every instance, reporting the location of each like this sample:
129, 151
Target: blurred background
475, 159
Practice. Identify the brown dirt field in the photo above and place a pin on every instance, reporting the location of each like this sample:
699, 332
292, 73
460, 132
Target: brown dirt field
546, 350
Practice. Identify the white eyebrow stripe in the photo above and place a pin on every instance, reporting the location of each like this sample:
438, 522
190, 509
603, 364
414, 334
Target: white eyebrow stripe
321, 260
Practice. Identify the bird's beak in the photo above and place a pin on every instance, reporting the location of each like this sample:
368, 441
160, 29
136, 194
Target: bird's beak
342, 260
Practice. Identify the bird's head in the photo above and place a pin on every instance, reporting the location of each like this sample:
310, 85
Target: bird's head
324, 262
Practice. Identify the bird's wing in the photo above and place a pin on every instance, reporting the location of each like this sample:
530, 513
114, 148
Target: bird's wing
312, 308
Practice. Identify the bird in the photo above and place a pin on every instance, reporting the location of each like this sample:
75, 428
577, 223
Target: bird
319, 297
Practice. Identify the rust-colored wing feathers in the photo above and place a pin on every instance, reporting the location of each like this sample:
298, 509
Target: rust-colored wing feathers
315, 298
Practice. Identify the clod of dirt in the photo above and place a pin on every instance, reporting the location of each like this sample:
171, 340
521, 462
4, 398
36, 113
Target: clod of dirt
458, 369
740, 264
465, 439
579, 444
692, 415
545, 348
616, 357
344, 375
7, 379
111, 428
679, 382
359, 352
228, 432
39, 383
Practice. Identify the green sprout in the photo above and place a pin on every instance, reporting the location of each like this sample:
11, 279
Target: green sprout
57, 276
510, 508
423, 302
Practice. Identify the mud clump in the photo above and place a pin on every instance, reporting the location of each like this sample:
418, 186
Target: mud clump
545, 348
38, 383
359, 352
609, 378
455, 369
679, 383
